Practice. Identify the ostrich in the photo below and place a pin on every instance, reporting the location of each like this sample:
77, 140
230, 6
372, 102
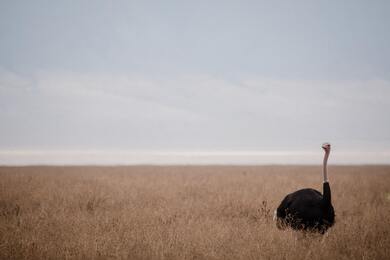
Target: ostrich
308, 209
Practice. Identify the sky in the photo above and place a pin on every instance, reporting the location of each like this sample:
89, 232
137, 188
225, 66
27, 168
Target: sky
194, 77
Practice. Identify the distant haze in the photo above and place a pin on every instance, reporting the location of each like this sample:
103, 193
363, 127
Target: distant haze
189, 80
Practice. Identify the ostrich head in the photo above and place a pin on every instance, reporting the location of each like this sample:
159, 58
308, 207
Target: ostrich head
326, 147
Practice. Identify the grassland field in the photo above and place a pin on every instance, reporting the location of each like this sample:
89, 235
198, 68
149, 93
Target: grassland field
186, 212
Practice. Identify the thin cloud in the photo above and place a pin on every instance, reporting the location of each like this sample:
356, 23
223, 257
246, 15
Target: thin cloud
190, 111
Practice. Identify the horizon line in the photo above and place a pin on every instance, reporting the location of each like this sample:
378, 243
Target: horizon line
200, 157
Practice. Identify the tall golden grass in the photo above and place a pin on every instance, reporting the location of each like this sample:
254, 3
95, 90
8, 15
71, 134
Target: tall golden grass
186, 213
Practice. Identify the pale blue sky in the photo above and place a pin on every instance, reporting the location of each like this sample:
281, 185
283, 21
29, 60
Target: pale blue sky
194, 75
228, 39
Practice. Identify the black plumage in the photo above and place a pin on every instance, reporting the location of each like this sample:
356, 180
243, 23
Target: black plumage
307, 209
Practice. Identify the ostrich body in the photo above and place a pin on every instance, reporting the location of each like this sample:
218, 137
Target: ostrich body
308, 209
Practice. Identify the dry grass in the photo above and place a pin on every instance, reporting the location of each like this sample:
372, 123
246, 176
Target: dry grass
186, 213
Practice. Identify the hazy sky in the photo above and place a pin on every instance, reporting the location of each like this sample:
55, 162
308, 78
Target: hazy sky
194, 75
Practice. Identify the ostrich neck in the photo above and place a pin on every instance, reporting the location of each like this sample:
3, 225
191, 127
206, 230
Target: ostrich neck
325, 167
